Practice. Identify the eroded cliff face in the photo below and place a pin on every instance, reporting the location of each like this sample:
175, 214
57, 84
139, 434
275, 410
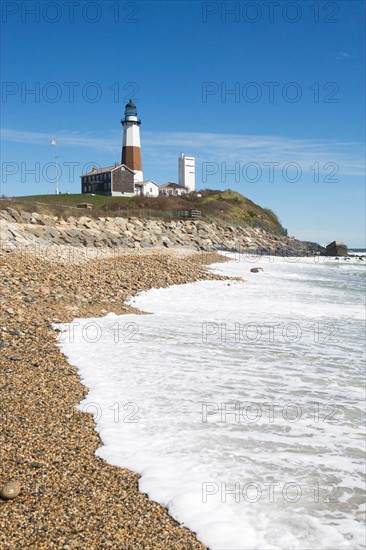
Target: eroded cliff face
21, 229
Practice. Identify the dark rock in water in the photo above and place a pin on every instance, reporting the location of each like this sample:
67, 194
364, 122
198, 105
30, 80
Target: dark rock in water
256, 269
336, 248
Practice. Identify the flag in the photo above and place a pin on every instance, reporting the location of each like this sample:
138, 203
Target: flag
53, 142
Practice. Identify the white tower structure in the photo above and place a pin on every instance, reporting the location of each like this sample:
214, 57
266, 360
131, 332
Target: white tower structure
186, 172
131, 147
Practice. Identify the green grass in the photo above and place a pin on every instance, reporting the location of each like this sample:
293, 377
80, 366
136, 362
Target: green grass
98, 201
235, 207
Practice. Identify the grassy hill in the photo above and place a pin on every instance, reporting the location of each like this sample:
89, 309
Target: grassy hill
225, 206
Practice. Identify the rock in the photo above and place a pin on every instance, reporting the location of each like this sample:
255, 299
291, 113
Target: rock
36, 465
14, 214
26, 217
256, 269
5, 234
136, 222
10, 490
51, 233
73, 233
46, 221
145, 244
15, 358
121, 222
5, 216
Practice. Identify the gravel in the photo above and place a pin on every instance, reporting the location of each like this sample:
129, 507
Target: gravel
70, 498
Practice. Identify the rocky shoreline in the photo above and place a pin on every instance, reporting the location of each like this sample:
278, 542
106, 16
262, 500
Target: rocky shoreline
23, 229
69, 497
53, 271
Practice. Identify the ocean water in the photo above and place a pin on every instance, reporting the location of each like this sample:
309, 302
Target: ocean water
240, 403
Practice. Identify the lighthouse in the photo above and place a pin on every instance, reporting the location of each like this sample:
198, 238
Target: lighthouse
131, 147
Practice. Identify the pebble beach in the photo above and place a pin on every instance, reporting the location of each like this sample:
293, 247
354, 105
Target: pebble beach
70, 498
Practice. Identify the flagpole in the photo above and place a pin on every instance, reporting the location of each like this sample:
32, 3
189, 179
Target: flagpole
54, 144
56, 157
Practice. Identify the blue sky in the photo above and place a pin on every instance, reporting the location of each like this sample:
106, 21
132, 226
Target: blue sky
268, 96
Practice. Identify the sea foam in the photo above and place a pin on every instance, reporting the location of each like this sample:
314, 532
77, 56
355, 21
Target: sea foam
240, 403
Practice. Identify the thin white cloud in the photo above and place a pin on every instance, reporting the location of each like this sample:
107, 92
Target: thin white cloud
342, 55
231, 148
163, 147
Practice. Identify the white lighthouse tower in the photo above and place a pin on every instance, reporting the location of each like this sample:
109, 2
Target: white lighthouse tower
131, 147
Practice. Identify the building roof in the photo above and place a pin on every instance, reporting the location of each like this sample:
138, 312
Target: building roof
147, 181
95, 170
99, 171
172, 185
